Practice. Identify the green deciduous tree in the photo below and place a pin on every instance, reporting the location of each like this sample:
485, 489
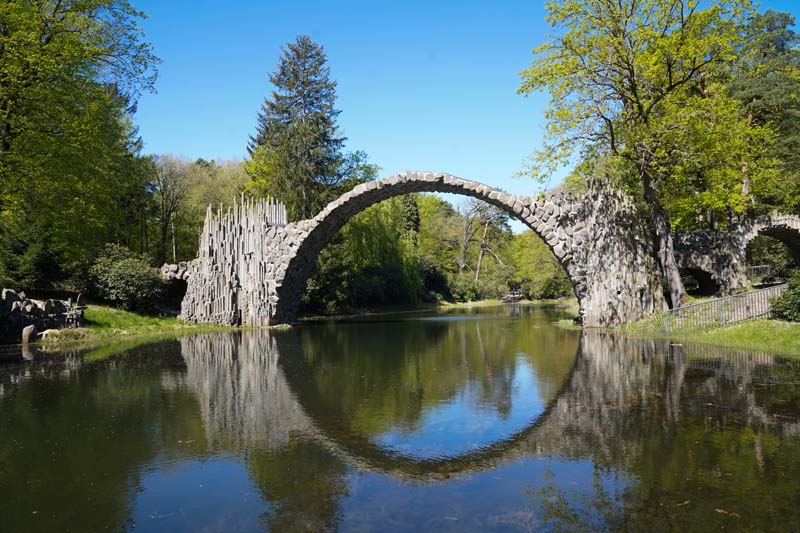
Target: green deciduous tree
535, 269
766, 80
69, 154
635, 84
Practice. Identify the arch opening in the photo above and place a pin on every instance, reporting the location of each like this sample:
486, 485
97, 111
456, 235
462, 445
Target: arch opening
771, 255
699, 282
546, 219
421, 248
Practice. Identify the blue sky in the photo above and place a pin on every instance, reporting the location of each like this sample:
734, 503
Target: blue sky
421, 85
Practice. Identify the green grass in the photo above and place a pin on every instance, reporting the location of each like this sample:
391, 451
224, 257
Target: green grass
770, 336
106, 324
764, 335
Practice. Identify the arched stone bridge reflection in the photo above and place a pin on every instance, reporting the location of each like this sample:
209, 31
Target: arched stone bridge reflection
249, 398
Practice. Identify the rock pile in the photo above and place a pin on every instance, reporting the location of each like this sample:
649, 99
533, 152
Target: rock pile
178, 271
18, 312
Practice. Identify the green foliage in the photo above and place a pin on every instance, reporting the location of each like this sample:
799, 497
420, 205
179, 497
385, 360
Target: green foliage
638, 98
766, 80
69, 154
29, 258
764, 250
787, 305
536, 271
126, 279
371, 262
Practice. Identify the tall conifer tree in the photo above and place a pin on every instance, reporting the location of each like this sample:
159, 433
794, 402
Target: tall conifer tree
296, 152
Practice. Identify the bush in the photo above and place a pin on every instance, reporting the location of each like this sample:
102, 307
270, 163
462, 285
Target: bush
463, 288
125, 279
787, 305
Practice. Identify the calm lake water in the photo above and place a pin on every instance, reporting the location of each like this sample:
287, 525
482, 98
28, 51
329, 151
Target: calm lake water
489, 419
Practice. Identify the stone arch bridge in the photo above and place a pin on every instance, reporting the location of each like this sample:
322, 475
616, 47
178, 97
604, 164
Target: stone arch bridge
717, 259
253, 266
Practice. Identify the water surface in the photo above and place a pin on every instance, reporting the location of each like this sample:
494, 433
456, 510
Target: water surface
489, 419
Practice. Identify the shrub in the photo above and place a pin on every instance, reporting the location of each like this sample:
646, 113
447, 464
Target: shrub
787, 305
463, 288
125, 279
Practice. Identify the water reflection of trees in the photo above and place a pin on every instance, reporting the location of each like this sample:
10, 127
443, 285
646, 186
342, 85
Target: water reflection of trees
675, 424
75, 437
691, 437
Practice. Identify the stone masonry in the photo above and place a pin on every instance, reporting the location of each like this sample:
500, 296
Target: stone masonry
253, 267
721, 255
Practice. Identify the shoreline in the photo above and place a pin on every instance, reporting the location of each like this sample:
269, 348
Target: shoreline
108, 328
772, 337
564, 303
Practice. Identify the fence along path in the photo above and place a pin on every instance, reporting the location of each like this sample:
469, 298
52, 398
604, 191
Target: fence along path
720, 311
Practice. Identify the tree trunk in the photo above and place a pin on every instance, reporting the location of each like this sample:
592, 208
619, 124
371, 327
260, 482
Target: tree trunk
174, 248
480, 252
466, 237
664, 252
164, 236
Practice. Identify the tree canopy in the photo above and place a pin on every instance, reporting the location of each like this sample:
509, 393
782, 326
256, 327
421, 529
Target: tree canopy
639, 97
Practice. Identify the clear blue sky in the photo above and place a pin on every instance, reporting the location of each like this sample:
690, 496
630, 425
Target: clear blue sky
421, 85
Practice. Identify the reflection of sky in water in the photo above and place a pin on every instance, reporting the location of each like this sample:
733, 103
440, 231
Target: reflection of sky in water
176, 496
507, 498
468, 421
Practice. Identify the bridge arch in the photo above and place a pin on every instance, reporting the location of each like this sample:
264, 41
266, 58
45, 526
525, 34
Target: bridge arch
783, 228
557, 220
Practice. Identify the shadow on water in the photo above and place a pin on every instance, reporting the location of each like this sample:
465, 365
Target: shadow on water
403, 423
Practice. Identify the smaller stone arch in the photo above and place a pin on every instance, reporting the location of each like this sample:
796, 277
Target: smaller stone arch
722, 254
784, 228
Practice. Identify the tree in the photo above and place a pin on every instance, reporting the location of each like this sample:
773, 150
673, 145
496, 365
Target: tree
536, 270
623, 78
69, 154
170, 186
296, 153
766, 80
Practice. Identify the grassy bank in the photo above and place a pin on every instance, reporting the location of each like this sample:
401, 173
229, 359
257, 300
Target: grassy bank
763, 335
770, 336
108, 324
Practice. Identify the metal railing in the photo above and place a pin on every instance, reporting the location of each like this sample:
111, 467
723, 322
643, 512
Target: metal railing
759, 271
721, 311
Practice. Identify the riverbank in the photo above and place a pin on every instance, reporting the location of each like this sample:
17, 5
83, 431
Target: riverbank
770, 336
570, 305
110, 325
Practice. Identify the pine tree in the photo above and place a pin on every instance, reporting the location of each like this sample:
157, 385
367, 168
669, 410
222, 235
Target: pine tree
296, 153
